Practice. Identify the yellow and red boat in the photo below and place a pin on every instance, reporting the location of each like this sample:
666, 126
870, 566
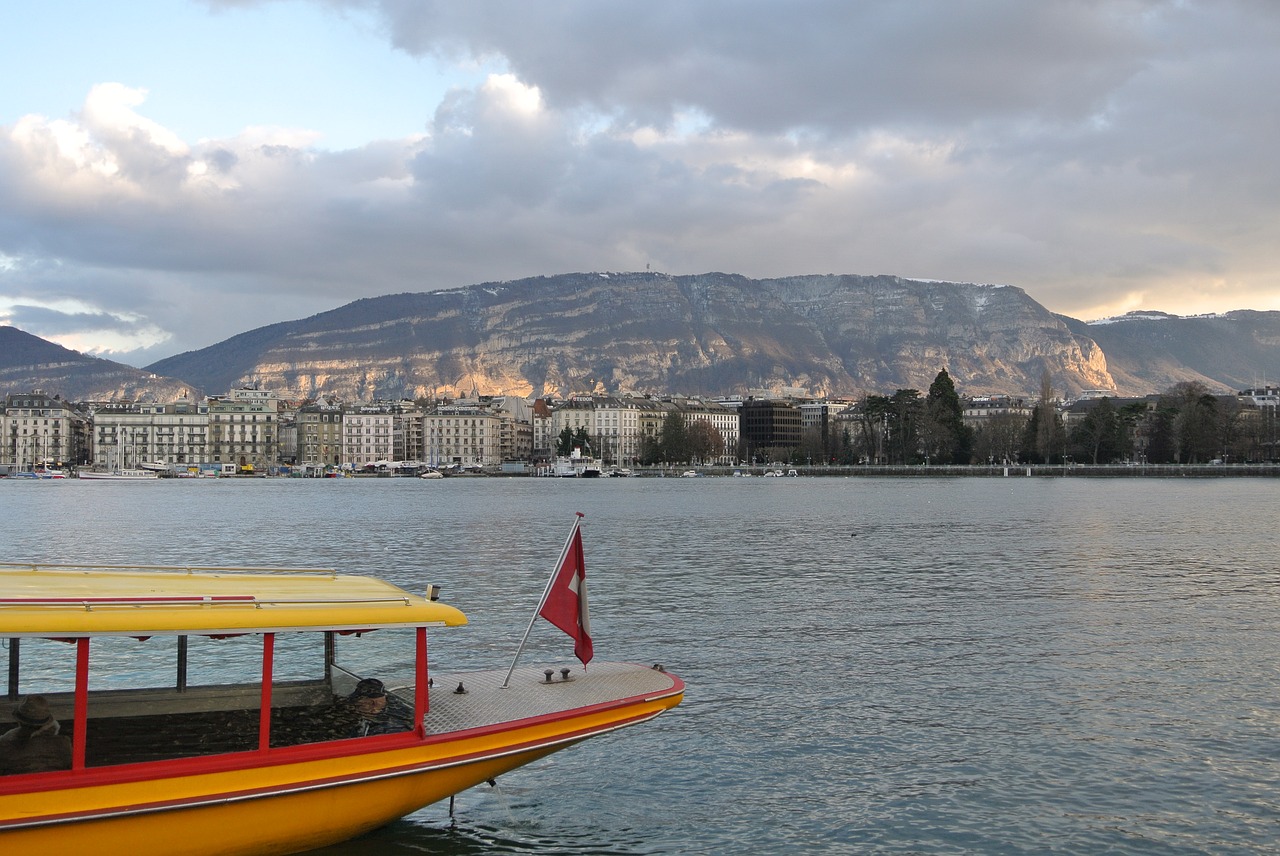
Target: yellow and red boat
206, 708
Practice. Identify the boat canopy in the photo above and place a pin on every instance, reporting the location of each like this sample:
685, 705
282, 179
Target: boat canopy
73, 601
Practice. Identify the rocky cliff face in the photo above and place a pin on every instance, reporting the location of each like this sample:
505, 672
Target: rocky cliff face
643, 332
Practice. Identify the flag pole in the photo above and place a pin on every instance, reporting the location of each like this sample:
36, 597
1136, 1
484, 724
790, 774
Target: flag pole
554, 571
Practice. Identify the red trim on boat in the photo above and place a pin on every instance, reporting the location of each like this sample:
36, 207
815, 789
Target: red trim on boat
335, 781
154, 770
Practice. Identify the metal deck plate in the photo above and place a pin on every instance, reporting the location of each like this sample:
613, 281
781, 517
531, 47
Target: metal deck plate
528, 694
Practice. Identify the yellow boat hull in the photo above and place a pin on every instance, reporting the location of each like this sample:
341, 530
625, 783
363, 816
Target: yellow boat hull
288, 807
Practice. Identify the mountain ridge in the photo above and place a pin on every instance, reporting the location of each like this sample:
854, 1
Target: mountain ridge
710, 334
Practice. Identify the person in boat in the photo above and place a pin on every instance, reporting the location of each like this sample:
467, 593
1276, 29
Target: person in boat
375, 712
34, 746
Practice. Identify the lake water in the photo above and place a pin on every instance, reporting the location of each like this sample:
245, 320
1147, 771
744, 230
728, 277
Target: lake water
875, 666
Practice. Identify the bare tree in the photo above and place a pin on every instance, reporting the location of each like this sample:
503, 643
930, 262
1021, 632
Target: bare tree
705, 442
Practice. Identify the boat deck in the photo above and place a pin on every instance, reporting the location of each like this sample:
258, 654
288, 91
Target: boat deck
528, 693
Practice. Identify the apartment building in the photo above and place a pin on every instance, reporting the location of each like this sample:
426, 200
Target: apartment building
319, 435
366, 436
243, 431
40, 430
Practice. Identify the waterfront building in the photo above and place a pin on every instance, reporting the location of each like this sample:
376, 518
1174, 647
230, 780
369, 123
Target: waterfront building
39, 431
176, 434
981, 407
243, 431
121, 436
820, 428
616, 429
319, 430
464, 435
366, 436
542, 421
769, 424
577, 414
651, 416
515, 427
611, 424
406, 431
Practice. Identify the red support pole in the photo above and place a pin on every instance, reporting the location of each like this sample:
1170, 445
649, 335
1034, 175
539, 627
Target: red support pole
421, 699
264, 710
81, 704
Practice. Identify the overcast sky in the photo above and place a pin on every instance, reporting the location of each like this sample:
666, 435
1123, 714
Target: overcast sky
174, 173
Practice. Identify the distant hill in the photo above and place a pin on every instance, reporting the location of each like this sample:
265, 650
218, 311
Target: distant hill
649, 332
1152, 350
28, 362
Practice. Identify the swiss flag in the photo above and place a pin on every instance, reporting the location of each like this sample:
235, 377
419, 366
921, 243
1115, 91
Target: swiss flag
565, 605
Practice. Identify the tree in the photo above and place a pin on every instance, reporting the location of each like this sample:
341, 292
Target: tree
674, 439
704, 440
906, 409
569, 439
564, 442
1101, 437
1000, 438
650, 450
946, 438
873, 428
1046, 438
1192, 421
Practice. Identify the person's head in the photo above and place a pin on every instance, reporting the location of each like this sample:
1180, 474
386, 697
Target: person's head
33, 713
369, 698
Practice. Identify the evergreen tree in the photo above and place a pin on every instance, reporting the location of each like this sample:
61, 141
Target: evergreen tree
952, 440
564, 442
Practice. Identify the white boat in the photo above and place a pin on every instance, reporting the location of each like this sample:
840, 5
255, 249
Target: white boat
431, 474
690, 474
118, 475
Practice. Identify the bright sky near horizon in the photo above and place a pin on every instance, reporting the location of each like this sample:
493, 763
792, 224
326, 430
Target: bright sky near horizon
173, 173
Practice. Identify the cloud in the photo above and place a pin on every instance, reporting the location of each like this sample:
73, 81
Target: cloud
1103, 155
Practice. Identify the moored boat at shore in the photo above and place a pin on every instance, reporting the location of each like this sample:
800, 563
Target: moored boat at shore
118, 475
226, 711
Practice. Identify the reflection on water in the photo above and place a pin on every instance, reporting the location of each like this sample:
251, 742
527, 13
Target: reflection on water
899, 667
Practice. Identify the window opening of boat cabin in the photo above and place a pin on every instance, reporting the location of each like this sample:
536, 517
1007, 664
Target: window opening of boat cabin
172, 697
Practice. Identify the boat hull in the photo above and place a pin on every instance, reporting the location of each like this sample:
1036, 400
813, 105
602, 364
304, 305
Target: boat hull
276, 822
124, 475
328, 794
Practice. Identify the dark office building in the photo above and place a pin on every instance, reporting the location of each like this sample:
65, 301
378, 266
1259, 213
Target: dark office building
769, 424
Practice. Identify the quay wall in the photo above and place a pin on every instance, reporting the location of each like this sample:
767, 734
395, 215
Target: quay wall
983, 471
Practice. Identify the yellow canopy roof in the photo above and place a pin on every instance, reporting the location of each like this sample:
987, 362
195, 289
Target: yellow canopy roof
143, 601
